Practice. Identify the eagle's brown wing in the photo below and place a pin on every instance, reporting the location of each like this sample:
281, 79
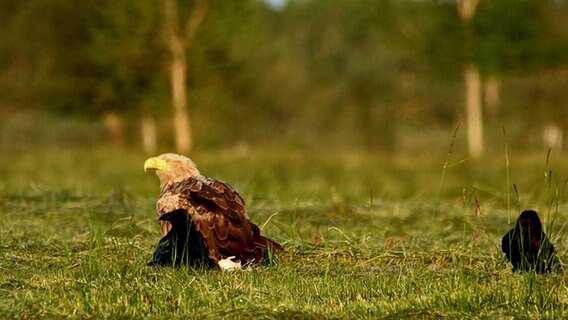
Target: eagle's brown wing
220, 217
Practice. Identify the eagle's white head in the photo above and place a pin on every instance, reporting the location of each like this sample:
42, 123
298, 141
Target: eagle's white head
171, 168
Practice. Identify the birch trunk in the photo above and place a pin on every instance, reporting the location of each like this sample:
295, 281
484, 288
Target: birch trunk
474, 111
178, 82
492, 96
178, 40
115, 128
178, 79
473, 101
149, 136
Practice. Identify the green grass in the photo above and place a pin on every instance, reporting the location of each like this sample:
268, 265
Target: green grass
366, 236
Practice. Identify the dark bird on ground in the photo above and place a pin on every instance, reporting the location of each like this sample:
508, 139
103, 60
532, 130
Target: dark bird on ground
181, 245
528, 248
218, 219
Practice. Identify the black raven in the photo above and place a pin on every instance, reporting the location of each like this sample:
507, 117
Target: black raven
181, 245
528, 248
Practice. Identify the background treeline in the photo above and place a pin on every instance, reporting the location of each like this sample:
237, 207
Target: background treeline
379, 75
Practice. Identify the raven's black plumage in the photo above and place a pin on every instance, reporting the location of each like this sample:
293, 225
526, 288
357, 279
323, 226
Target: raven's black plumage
181, 245
528, 248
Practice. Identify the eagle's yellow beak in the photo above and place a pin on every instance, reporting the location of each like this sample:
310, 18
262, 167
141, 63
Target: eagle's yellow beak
155, 163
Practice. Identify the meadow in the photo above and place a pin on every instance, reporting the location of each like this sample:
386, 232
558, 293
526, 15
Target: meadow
366, 236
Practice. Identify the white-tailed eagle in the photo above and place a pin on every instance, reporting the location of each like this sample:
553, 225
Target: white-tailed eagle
218, 226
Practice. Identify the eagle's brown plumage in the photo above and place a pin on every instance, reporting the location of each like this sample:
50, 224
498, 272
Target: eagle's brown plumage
217, 210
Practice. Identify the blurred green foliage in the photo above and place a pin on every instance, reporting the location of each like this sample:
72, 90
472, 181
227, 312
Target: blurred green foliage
354, 73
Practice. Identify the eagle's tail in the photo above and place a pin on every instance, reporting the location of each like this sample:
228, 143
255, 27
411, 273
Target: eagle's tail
267, 244
268, 249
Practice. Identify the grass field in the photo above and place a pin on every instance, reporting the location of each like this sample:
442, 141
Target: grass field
366, 236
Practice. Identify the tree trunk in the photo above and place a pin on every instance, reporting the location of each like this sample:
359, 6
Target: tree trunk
115, 128
492, 96
474, 113
178, 40
178, 81
552, 136
149, 136
466, 11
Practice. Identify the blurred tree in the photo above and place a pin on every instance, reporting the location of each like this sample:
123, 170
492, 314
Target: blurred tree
491, 40
14, 63
348, 55
42, 52
94, 58
179, 36
513, 37
311, 73
466, 10
245, 68
127, 57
